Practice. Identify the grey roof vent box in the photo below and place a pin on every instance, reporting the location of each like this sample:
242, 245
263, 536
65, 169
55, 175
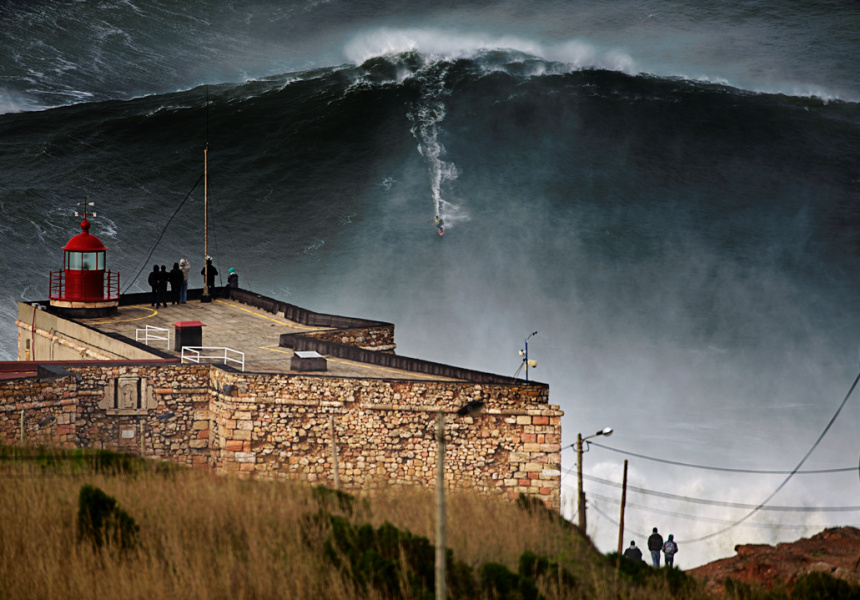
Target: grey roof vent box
309, 360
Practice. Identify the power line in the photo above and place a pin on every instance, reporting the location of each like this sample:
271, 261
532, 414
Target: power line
616, 523
645, 535
696, 517
725, 469
762, 505
788, 478
720, 502
161, 235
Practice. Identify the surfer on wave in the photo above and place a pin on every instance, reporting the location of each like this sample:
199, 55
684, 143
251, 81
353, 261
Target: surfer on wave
440, 224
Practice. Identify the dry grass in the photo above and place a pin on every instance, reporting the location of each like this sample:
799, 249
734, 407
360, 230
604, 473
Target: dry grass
208, 537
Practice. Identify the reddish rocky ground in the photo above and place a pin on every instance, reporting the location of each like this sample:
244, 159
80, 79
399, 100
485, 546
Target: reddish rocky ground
835, 551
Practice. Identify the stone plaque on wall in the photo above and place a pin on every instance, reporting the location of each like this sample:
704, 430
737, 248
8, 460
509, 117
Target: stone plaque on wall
127, 395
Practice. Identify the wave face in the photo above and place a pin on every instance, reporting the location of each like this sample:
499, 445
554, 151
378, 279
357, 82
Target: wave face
681, 229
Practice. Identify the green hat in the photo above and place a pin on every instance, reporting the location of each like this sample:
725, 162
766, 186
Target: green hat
231, 270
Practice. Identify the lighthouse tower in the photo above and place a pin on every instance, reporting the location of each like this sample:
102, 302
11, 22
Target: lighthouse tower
84, 288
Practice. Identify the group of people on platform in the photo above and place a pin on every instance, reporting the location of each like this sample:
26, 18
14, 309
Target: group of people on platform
177, 279
656, 545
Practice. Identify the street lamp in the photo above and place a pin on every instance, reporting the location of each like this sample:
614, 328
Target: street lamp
607, 431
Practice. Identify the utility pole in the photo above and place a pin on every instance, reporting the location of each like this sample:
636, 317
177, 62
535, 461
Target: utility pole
334, 452
581, 495
206, 291
607, 431
621, 521
441, 586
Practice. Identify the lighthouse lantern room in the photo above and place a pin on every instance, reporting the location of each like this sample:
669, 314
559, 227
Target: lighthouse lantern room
84, 288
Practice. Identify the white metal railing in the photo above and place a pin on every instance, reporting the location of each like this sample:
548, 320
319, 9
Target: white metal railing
152, 333
195, 354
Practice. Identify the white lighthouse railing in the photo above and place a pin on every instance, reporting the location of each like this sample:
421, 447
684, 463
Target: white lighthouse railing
196, 353
152, 333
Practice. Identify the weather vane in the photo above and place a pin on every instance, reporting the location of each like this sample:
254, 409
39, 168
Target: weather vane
86, 213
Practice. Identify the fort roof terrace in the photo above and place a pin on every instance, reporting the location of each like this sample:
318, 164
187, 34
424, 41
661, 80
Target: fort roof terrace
85, 382
266, 331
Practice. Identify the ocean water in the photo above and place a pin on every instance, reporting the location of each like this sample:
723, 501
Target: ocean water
668, 192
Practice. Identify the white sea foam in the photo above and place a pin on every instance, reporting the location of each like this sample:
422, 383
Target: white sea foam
444, 45
13, 103
426, 117
571, 55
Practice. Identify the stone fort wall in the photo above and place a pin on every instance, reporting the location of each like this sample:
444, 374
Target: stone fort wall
277, 426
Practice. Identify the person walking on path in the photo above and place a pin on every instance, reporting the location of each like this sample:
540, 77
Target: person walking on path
655, 545
163, 280
175, 283
210, 277
670, 549
185, 267
153, 283
633, 553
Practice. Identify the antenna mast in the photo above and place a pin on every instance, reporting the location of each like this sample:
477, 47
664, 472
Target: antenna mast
206, 297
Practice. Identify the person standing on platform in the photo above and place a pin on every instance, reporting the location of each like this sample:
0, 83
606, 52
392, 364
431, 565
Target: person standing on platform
185, 267
232, 278
210, 279
175, 283
655, 545
153, 283
163, 280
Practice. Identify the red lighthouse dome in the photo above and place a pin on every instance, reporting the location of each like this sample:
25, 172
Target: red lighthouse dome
84, 287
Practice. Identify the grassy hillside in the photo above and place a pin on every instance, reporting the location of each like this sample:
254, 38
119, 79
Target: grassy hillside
174, 533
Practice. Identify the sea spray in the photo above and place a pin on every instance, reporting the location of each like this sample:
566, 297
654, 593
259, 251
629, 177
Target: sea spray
426, 115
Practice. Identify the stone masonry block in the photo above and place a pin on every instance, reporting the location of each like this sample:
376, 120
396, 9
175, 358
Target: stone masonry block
519, 457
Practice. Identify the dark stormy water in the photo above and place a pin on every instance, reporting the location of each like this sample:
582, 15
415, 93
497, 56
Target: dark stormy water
668, 192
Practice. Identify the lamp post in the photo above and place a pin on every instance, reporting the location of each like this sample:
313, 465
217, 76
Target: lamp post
473, 408
441, 576
607, 431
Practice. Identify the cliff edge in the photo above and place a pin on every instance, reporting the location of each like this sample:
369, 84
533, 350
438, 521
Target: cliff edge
834, 551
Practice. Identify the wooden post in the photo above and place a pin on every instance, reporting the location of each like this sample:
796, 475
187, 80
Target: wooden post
334, 452
581, 495
22, 426
206, 297
441, 585
621, 521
